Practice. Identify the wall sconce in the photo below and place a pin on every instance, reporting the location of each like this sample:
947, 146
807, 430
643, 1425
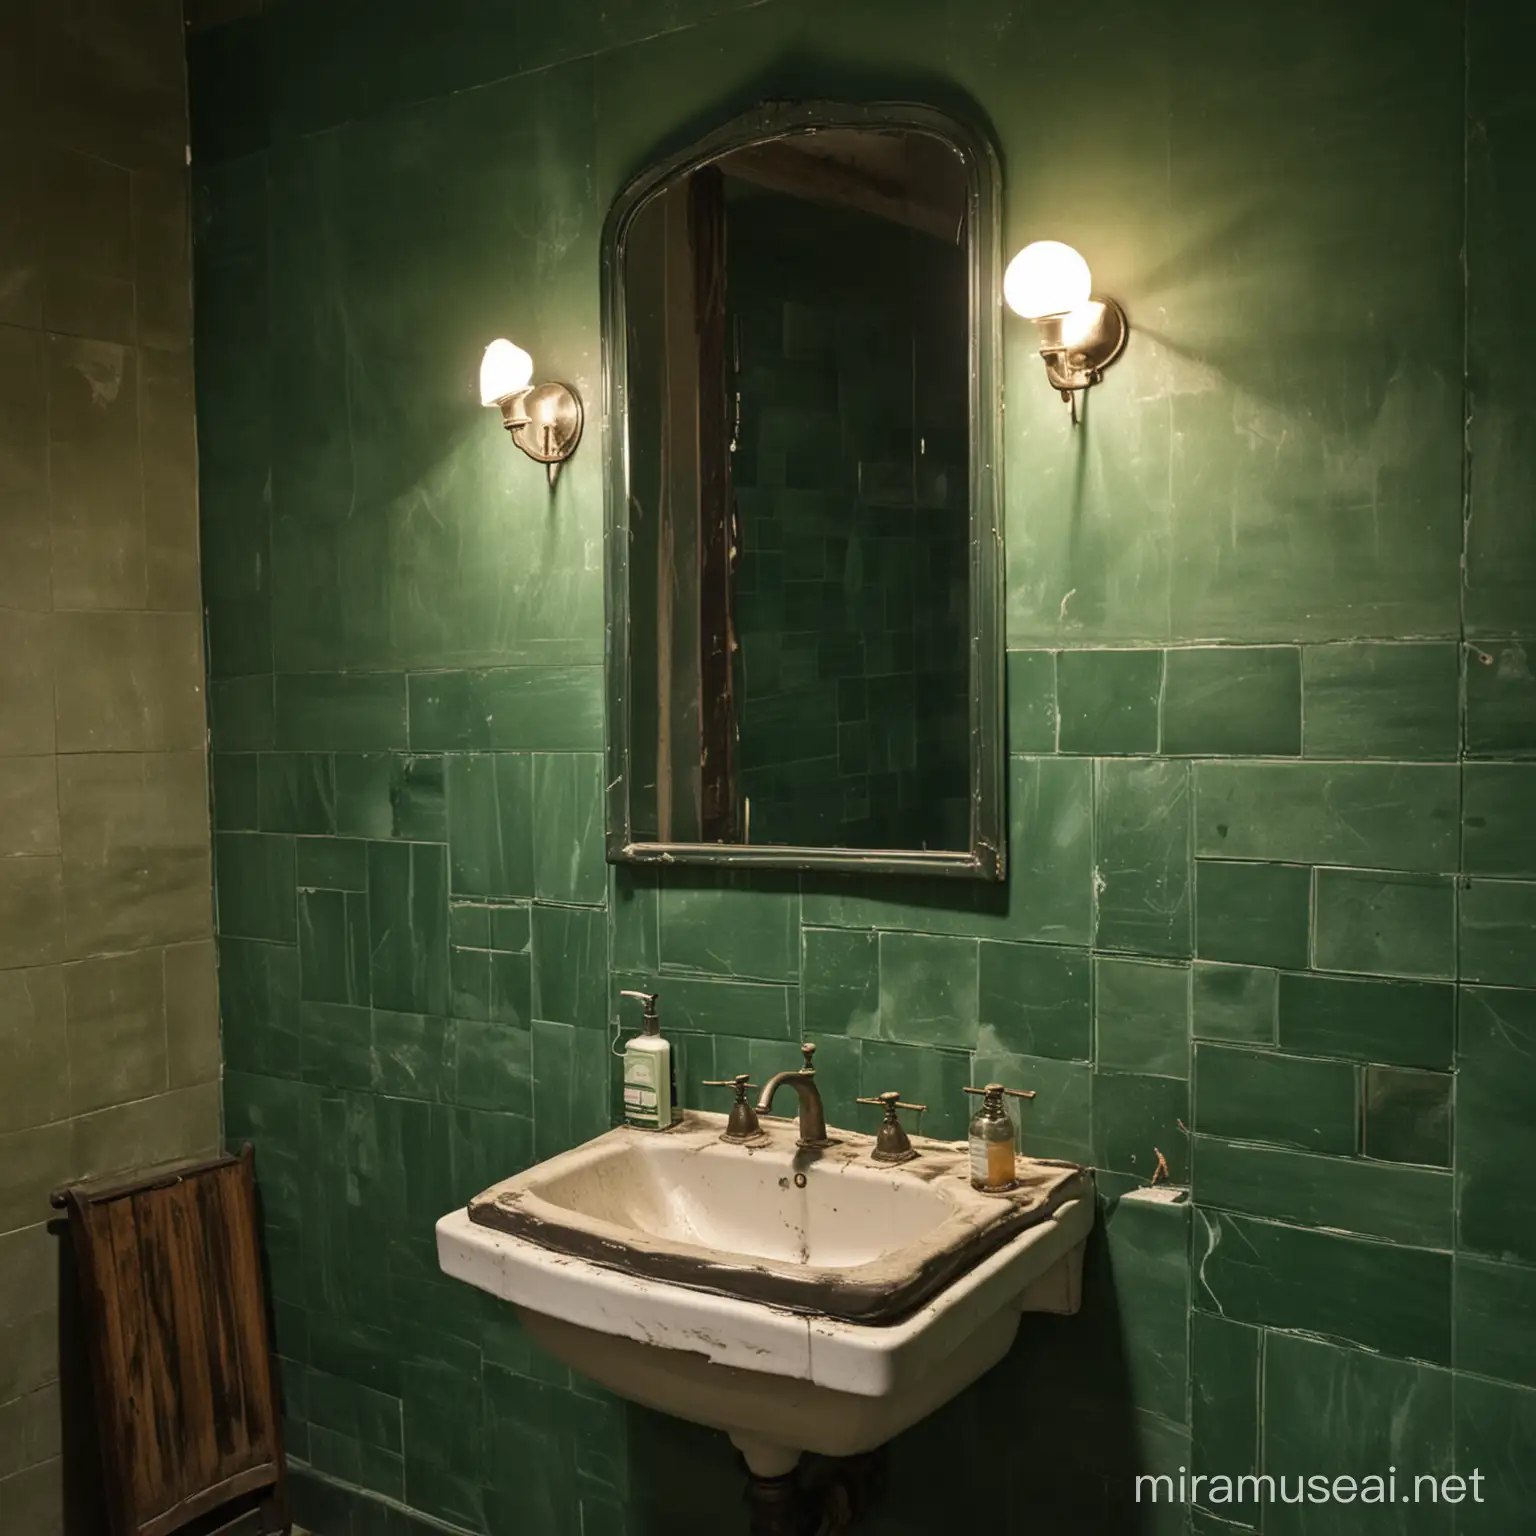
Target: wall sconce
1080, 336
544, 419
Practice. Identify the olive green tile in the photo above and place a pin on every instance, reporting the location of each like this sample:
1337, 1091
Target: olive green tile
511, 929
730, 923
1295, 1101
568, 838
340, 711
1035, 1000
1108, 701
236, 796
1232, 701
181, 1123
391, 795
1385, 924
1501, 699
1379, 816
114, 1009
256, 886
570, 960
36, 1083
1496, 1319
1367, 699
922, 1075
27, 680
1498, 932
469, 924
33, 1164
1331, 1412
1224, 1399
333, 947
1495, 1128
1288, 1277
1253, 914
32, 911
840, 983
1494, 1425
241, 711
331, 863
1141, 1016
1142, 859
1135, 1117
1500, 838
1050, 852
1031, 685
1408, 1116
297, 792
1409, 1023
408, 927
524, 709
259, 1006
1233, 1002
191, 1014
29, 794
928, 989
1344, 1194
128, 682
490, 824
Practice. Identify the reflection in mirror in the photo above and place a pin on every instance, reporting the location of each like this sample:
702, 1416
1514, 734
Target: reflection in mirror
798, 353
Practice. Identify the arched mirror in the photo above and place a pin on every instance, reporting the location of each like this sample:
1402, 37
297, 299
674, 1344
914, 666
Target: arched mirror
805, 645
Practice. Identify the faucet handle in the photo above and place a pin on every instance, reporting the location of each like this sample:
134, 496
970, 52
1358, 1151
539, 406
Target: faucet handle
742, 1124
808, 1050
891, 1144
739, 1083
892, 1101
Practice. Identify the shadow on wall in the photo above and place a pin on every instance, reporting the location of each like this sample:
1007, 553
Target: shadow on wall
84, 1509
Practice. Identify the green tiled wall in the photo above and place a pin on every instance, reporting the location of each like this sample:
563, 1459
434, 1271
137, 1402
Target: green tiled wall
1273, 869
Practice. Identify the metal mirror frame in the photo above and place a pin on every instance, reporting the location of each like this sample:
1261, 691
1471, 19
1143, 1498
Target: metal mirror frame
985, 859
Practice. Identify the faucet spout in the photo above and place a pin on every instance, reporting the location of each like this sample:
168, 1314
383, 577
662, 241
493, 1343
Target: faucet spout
813, 1119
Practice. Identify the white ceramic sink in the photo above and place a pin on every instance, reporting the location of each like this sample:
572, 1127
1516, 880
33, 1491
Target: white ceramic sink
798, 1300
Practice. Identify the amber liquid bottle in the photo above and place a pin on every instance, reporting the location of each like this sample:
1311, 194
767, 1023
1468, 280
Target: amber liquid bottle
992, 1142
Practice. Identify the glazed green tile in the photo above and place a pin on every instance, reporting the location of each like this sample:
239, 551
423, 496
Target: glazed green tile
1344, 1194
520, 709
241, 711
1294, 1101
511, 928
1224, 1398
1500, 833
1232, 701
1408, 1116
1134, 1118
255, 886
1253, 914
336, 1045
469, 983
490, 824
1288, 1277
1233, 1002
1409, 1023
1108, 701
297, 792
1036, 1000
1147, 1243
1141, 1016
340, 711
259, 1006
1496, 1319
712, 1005
1365, 699
1371, 815
1501, 699
928, 989
236, 799
469, 924
1495, 1125
511, 988
1498, 932
1031, 685
413, 1056
1050, 852
1495, 1423
570, 966
333, 947
840, 983
408, 927
1384, 924
553, 1072
635, 905
1142, 862
839, 1065
730, 923
331, 863
568, 862
493, 1066
1334, 1412
391, 795
922, 1075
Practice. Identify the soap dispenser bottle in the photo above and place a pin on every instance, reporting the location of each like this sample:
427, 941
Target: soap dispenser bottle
992, 1139
650, 1074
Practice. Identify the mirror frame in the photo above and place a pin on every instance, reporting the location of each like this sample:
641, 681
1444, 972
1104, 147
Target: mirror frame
986, 857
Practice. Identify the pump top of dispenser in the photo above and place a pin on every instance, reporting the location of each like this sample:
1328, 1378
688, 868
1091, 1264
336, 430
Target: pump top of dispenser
650, 1021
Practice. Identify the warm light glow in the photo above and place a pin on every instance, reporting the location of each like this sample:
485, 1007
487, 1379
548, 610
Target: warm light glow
504, 370
1079, 324
1046, 278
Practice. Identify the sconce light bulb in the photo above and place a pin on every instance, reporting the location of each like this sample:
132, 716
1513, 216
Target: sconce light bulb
504, 370
1046, 278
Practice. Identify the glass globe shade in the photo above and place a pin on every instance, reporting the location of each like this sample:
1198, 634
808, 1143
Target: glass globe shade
504, 370
1046, 278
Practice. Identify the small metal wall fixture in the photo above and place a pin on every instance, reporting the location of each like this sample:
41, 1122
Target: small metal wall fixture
1080, 335
545, 420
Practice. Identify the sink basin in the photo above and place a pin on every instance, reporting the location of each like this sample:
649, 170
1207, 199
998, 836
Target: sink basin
799, 1300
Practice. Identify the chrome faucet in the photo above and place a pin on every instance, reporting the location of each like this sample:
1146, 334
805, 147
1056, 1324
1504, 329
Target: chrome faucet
813, 1119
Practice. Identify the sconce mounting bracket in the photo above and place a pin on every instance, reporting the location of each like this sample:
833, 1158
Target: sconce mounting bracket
1076, 361
545, 422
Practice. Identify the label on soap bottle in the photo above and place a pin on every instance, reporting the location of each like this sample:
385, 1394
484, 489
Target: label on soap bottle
640, 1097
